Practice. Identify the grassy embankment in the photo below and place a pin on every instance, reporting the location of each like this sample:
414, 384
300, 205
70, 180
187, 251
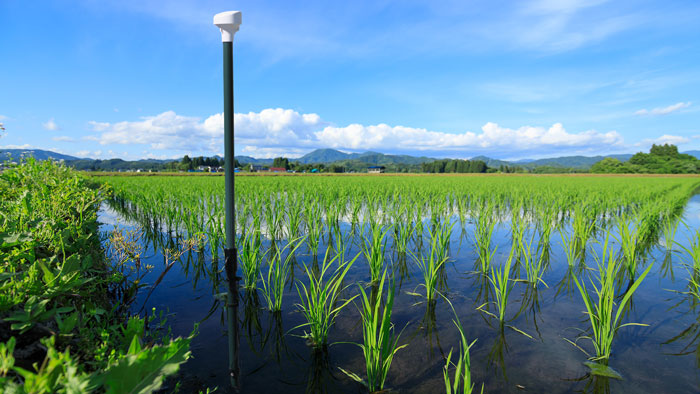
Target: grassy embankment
64, 319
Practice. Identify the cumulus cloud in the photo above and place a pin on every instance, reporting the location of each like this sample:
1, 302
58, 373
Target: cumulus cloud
11, 146
63, 138
664, 139
3, 117
275, 132
492, 138
50, 125
663, 110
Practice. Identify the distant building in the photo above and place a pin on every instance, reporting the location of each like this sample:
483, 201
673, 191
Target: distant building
278, 169
204, 168
376, 169
256, 168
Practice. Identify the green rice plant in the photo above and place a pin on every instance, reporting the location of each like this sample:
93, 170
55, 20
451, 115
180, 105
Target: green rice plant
380, 340
693, 251
569, 246
373, 248
320, 301
483, 235
462, 374
502, 285
294, 208
250, 255
546, 223
430, 268
277, 275
534, 262
518, 226
583, 227
602, 312
629, 242
403, 229
669, 228
442, 233
314, 225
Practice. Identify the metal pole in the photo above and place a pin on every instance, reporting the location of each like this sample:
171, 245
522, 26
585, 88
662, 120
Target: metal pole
230, 252
229, 22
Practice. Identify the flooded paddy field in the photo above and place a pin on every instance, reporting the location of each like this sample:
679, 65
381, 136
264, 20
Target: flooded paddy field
505, 257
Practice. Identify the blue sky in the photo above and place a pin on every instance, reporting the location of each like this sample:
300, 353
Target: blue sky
507, 79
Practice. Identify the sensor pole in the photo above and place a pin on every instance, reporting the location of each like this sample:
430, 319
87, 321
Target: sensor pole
229, 22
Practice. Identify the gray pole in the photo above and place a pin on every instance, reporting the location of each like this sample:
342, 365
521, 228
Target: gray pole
229, 22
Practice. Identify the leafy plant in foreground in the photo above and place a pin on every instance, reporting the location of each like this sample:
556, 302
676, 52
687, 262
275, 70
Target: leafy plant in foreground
462, 374
430, 267
319, 301
380, 340
601, 310
277, 275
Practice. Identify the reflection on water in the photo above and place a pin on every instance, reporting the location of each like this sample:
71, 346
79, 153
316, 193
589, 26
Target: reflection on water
274, 357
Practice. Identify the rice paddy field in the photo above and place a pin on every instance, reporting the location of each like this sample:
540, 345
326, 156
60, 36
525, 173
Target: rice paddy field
426, 284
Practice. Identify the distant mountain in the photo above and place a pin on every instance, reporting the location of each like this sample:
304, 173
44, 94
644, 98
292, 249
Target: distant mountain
318, 156
695, 153
327, 156
494, 163
17, 154
252, 160
323, 156
116, 164
574, 161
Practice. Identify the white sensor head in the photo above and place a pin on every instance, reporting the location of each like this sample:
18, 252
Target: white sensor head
228, 22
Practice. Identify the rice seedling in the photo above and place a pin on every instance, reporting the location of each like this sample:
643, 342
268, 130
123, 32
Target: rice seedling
277, 275
320, 301
462, 375
583, 226
430, 268
502, 285
373, 247
569, 246
483, 235
629, 242
693, 251
669, 228
380, 340
250, 256
518, 226
314, 225
294, 215
403, 229
534, 262
602, 312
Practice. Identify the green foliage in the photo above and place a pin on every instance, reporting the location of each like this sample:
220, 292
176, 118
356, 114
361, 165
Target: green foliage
56, 284
661, 159
455, 166
143, 370
380, 339
462, 375
277, 275
320, 300
602, 312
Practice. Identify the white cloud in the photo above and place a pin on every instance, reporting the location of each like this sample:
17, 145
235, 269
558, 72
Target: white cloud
663, 110
664, 139
3, 117
50, 125
25, 146
275, 132
63, 138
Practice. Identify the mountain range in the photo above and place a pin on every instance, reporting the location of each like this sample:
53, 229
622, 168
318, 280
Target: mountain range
327, 156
